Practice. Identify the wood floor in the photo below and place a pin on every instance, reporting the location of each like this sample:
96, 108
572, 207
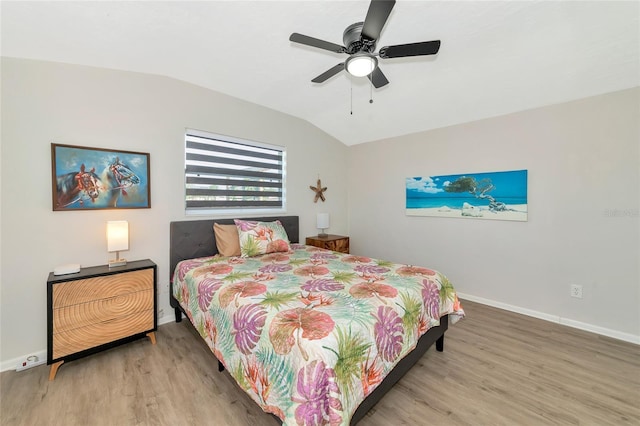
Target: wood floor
498, 368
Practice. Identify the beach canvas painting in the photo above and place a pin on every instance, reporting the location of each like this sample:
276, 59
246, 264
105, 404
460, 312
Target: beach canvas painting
495, 195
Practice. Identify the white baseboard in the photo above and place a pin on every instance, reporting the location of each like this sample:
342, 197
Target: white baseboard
167, 319
11, 364
627, 337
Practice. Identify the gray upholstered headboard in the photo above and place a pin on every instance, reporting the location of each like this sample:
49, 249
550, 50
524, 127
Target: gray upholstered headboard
194, 238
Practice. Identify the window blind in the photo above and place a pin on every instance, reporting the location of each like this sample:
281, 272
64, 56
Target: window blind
227, 173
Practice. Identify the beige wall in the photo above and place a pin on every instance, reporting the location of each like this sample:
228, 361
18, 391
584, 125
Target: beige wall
583, 162
48, 102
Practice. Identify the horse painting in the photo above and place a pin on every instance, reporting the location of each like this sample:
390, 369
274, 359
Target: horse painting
78, 187
96, 178
119, 178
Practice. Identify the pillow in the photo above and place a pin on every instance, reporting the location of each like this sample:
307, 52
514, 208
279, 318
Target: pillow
227, 239
261, 237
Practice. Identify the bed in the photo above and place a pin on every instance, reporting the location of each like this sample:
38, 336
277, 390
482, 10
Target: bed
312, 336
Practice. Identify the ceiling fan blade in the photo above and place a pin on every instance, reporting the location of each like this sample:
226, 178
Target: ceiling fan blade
410, 49
377, 15
328, 74
315, 42
377, 78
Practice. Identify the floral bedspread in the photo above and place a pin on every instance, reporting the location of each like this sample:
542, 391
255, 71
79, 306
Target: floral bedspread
309, 333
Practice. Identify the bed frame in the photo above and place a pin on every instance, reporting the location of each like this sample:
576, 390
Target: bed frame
195, 238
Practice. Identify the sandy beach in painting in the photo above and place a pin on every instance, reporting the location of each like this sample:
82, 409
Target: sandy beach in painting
520, 213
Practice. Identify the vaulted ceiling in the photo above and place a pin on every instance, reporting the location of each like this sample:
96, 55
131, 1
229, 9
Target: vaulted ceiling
496, 57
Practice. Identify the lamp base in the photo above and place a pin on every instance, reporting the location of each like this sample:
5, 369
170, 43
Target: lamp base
117, 262
322, 235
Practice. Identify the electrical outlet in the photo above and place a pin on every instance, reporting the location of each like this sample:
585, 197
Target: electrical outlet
576, 291
29, 362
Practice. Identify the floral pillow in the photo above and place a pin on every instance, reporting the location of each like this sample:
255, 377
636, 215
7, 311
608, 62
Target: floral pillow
261, 237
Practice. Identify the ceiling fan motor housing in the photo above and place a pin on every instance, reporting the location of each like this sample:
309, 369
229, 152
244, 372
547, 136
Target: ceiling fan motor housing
354, 42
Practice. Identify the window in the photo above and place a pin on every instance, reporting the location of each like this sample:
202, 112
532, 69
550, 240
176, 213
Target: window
227, 173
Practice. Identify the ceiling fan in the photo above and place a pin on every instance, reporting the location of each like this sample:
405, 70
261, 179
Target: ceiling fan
360, 41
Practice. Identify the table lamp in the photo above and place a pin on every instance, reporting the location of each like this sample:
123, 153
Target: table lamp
117, 240
322, 223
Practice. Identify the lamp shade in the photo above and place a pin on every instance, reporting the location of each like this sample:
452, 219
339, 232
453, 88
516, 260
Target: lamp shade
322, 221
117, 235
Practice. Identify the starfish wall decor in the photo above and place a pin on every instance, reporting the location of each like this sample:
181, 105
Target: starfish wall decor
319, 191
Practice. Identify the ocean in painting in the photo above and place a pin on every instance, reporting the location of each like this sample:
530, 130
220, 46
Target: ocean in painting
457, 202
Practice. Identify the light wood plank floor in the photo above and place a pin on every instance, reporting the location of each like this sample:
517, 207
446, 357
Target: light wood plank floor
498, 368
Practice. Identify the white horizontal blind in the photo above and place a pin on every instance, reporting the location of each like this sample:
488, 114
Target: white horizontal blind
228, 173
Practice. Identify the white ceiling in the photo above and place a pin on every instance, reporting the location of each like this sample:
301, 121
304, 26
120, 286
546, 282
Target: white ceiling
496, 57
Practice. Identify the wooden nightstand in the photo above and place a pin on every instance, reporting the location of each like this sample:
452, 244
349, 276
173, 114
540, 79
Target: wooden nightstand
98, 308
330, 242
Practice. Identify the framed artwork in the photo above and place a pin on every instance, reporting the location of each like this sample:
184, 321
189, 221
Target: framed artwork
95, 178
495, 195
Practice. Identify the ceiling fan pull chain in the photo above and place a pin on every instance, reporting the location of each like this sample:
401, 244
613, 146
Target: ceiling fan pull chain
370, 92
351, 97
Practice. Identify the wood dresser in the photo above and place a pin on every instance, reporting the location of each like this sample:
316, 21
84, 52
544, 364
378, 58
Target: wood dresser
99, 308
330, 242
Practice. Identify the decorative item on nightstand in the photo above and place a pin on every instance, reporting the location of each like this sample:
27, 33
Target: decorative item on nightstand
117, 240
322, 223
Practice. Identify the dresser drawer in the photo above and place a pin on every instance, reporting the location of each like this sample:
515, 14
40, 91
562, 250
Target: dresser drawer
96, 288
96, 311
92, 335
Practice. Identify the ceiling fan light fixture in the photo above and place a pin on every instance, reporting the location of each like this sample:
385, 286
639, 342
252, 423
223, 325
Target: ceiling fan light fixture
361, 64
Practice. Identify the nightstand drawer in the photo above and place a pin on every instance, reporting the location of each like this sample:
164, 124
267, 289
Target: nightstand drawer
338, 245
330, 242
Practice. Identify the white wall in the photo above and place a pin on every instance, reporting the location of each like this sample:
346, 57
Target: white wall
582, 157
44, 103
583, 162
